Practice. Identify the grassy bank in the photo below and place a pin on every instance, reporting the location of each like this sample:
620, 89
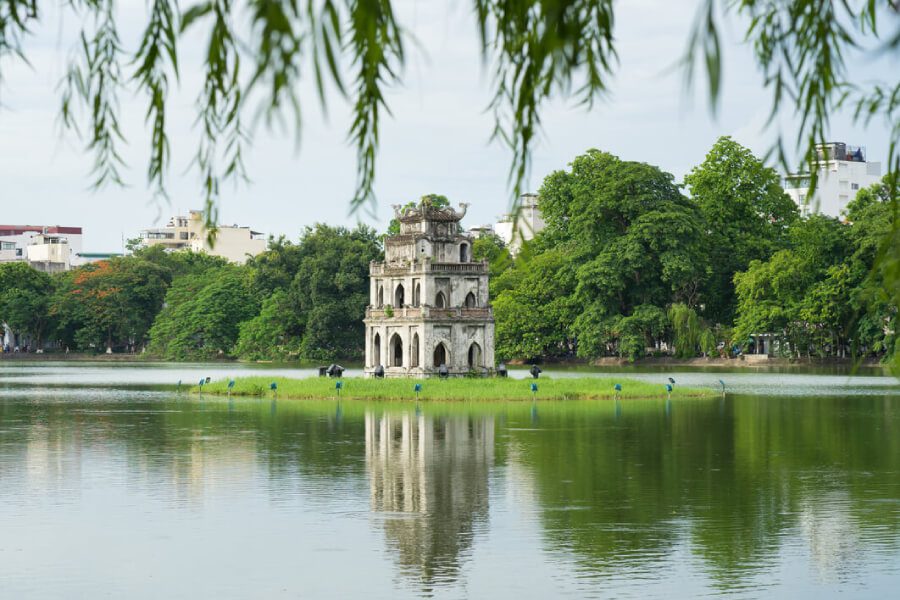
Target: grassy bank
583, 388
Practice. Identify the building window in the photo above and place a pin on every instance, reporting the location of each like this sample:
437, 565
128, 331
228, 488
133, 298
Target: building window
376, 350
440, 355
474, 355
414, 351
417, 295
463, 253
396, 351
380, 296
854, 186
398, 296
440, 301
470, 300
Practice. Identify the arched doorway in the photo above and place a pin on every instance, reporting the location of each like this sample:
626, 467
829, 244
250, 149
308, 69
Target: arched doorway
475, 356
470, 300
440, 301
376, 350
463, 253
417, 295
380, 296
441, 357
414, 351
398, 296
396, 351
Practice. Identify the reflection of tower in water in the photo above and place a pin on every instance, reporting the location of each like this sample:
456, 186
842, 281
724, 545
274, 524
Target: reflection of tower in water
428, 477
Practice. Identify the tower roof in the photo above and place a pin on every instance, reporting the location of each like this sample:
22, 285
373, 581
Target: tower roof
427, 211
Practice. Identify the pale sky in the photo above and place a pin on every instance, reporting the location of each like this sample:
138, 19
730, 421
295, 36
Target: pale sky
436, 141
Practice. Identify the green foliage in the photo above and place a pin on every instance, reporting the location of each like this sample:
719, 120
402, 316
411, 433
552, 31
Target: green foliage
827, 292
181, 263
746, 214
322, 288
202, 315
330, 290
628, 336
636, 238
533, 316
690, 334
109, 303
273, 333
25, 295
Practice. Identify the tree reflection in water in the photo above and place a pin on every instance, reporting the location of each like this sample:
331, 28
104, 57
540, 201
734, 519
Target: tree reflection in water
428, 480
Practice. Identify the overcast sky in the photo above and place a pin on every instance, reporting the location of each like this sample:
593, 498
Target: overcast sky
436, 140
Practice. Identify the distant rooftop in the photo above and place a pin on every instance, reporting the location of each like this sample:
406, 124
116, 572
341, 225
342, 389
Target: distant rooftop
841, 151
20, 229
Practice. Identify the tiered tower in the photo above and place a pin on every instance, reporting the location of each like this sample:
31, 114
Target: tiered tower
428, 301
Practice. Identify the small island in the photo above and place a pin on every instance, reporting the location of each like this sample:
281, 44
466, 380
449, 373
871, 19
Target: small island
454, 389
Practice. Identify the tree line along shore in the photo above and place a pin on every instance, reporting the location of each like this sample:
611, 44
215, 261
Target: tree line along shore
631, 264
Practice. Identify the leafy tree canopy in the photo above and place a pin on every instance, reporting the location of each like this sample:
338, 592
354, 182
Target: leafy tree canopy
25, 299
746, 214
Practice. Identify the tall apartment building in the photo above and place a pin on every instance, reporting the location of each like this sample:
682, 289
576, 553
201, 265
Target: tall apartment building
232, 243
842, 170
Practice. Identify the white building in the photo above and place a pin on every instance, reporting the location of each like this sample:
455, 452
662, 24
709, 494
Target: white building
46, 248
232, 243
516, 228
429, 304
842, 171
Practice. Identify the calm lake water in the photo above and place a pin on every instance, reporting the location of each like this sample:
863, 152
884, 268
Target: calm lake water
788, 487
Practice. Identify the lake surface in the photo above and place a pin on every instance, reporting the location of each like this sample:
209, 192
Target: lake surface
787, 487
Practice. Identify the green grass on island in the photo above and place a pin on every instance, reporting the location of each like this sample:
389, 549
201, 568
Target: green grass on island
581, 388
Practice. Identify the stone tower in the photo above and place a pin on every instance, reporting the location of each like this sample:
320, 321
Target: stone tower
428, 301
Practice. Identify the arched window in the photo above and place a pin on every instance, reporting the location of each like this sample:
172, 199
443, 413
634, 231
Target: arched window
396, 351
380, 296
440, 301
470, 300
440, 355
398, 296
463, 253
414, 351
474, 356
376, 350
417, 295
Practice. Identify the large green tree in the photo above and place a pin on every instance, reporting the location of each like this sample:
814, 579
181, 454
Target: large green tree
25, 295
315, 291
636, 239
797, 293
202, 315
536, 310
330, 290
746, 216
109, 303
